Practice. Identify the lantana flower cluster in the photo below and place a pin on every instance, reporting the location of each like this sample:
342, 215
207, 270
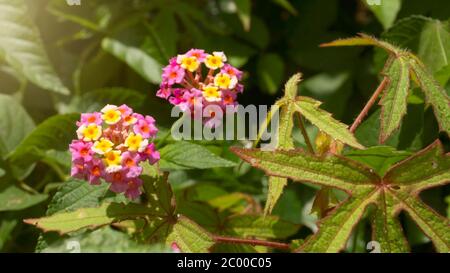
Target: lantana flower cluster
111, 145
199, 79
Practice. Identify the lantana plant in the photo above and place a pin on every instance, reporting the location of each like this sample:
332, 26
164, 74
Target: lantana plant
111, 145
198, 79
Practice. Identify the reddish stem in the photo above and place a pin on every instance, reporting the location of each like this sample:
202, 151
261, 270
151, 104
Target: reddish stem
254, 242
305, 134
369, 105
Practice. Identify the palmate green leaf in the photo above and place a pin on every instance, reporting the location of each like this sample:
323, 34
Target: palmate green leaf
22, 47
433, 170
190, 237
259, 226
289, 105
139, 61
54, 133
394, 98
183, 155
386, 229
397, 190
309, 108
434, 93
13, 198
15, 124
298, 165
106, 214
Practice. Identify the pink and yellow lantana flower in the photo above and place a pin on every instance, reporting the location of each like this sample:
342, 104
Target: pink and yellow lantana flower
198, 79
111, 145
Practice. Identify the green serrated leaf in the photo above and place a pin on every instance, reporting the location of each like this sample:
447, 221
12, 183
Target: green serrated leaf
380, 158
274, 192
434, 169
291, 87
434, 93
190, 237
285, 141
184, 155
22, 47
309, 108
394, 100
300, 166
435, 227
90, 217
364, 40
397, 190
76, 194
140, 62
335, 229
386, 229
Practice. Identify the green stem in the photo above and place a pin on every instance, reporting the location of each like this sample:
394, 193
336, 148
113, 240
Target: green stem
305, 134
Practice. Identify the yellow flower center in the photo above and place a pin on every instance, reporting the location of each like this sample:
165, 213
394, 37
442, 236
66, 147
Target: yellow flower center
190, 63
211, 93
222, 80
111, 116
92, 132
133, 142
103, 146
113, 158
213, 62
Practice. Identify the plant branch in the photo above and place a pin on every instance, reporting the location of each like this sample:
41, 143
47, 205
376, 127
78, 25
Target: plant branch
305, 133
254, 242
369, 105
